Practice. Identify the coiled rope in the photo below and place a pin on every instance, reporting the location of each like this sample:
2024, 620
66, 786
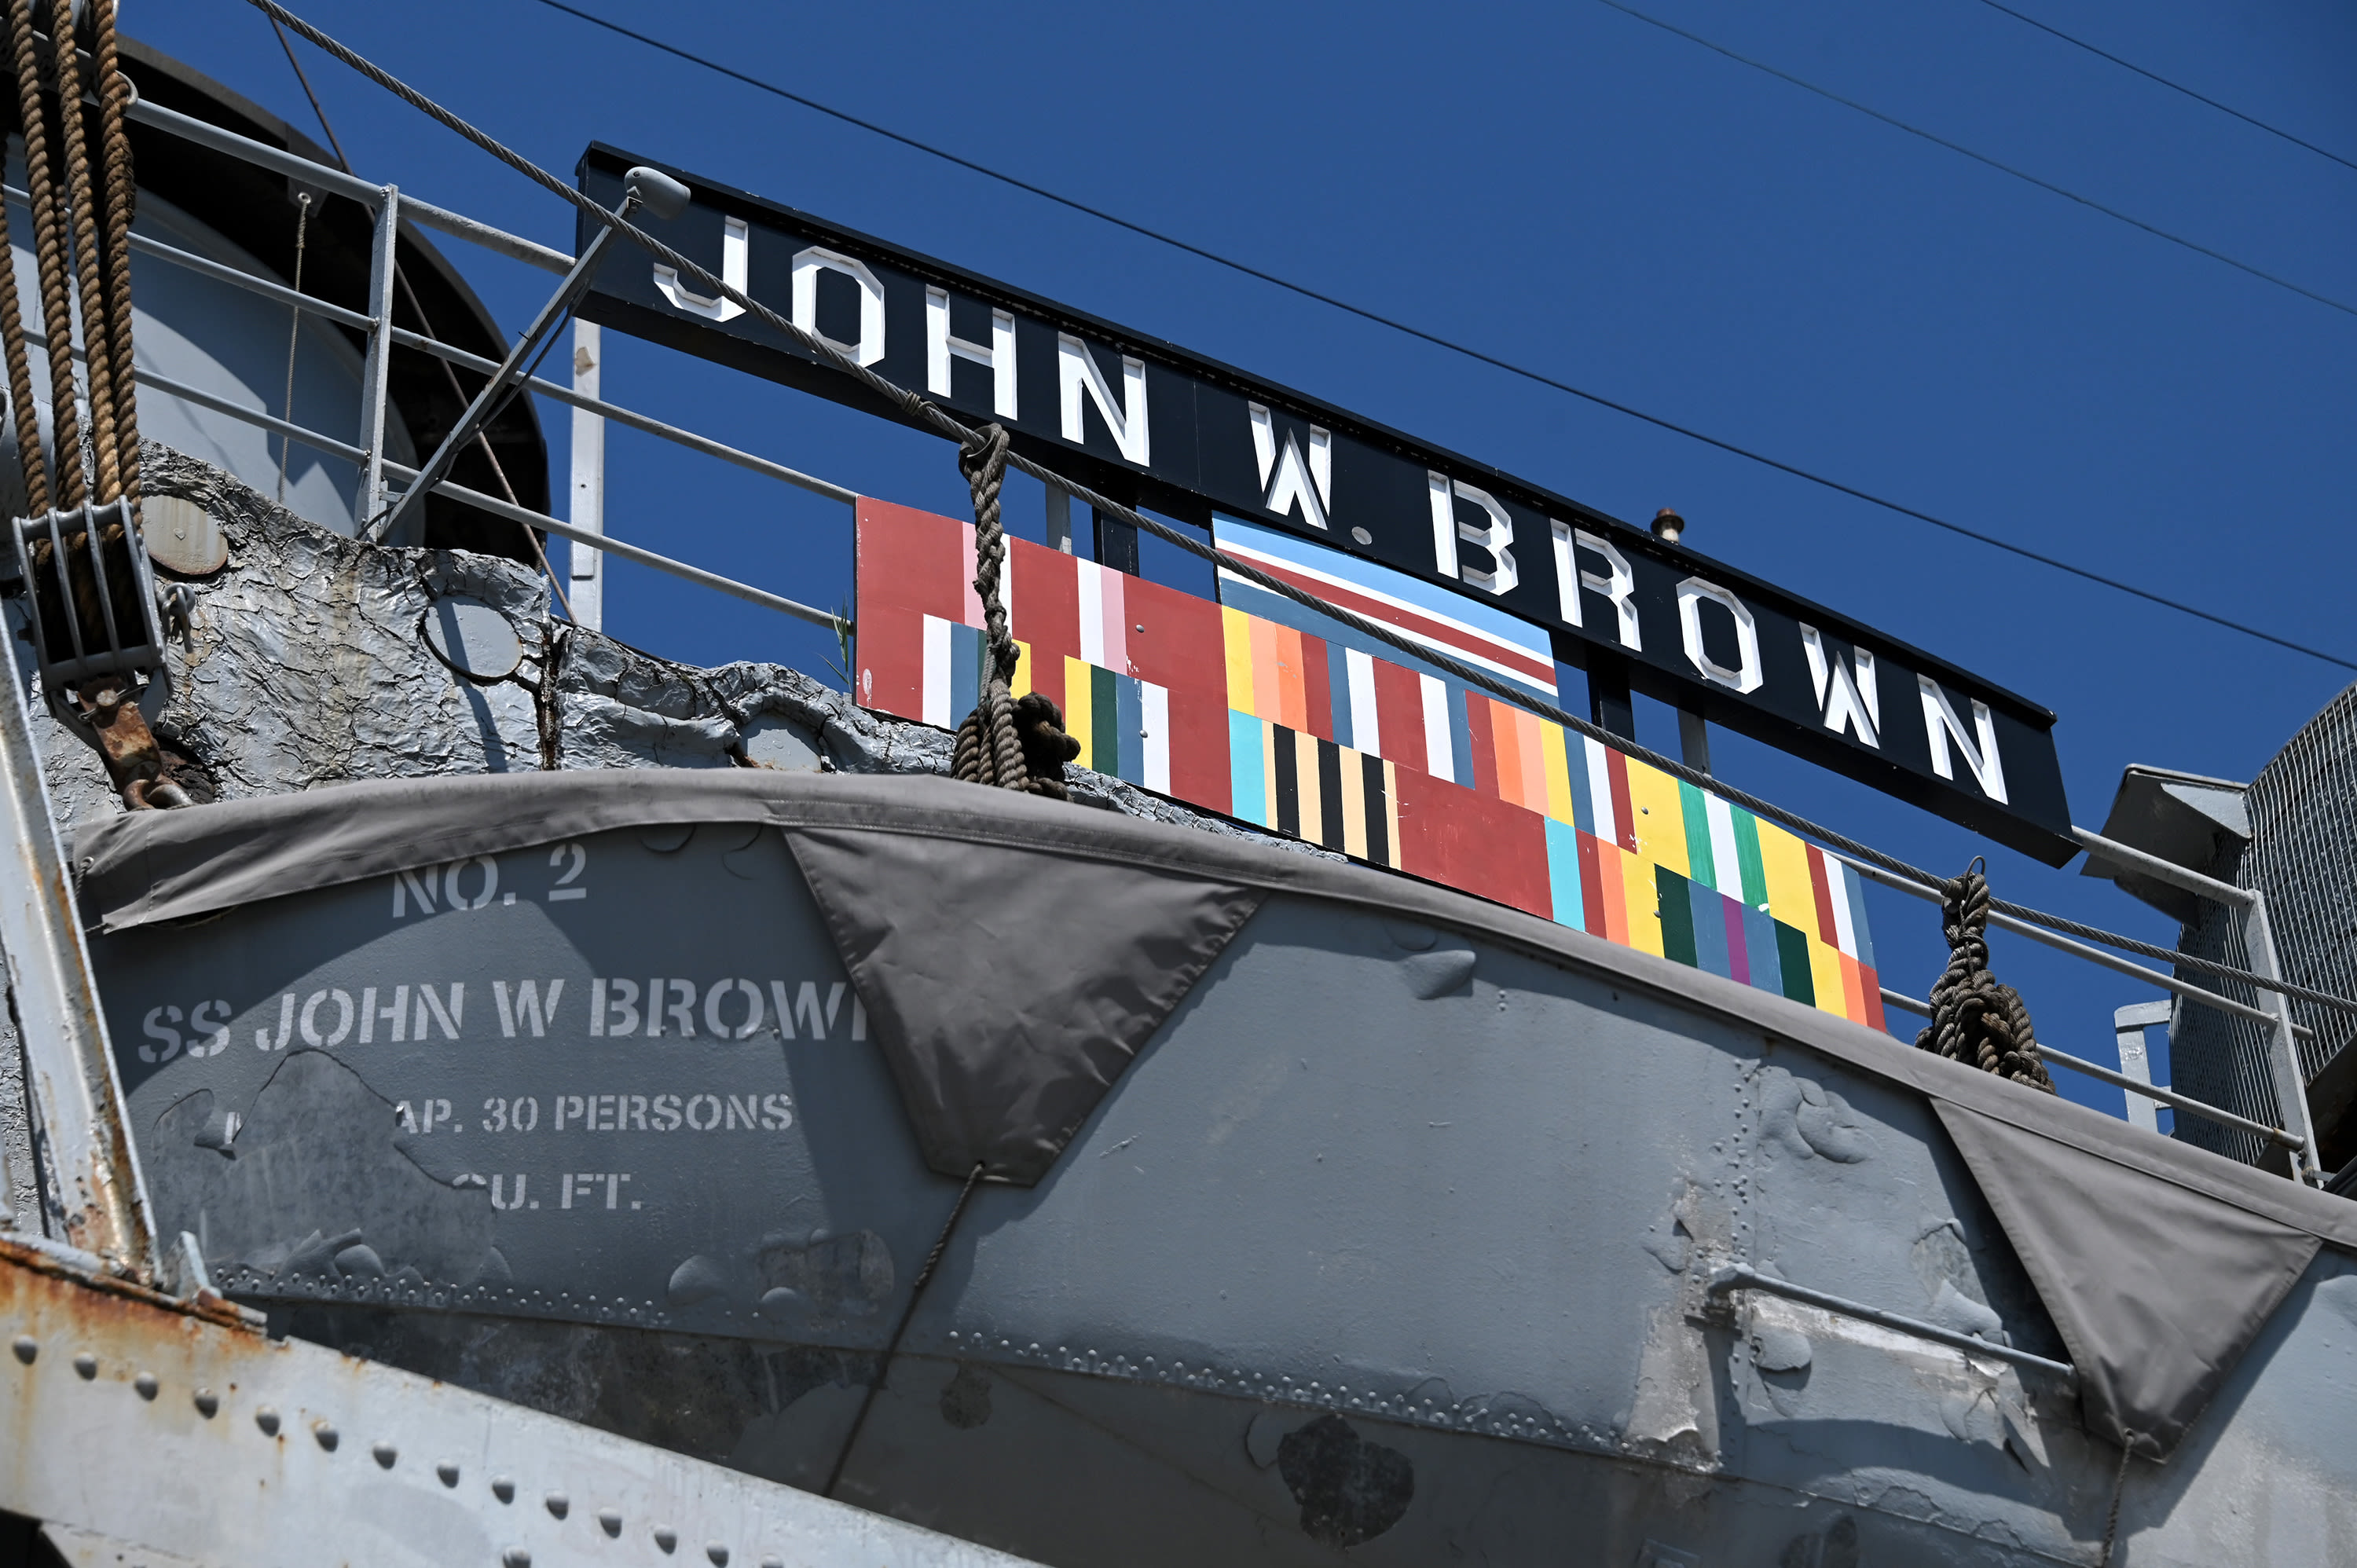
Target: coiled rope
50, 265
1012, 744
932, 416
1973, 1018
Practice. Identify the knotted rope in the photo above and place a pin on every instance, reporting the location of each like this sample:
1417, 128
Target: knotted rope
1012, 744
1973, 1018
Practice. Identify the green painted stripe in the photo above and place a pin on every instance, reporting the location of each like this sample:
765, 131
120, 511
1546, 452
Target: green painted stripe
1677, 917
1792, 956
1747, 851
1105, 721
1702, 863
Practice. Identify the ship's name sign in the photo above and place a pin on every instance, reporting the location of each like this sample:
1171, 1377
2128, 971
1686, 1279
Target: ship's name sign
1148, 423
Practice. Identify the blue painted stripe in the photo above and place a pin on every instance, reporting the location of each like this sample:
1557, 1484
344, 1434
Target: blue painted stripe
1709, 928
1759, 949
1470, 770
965, 671
1248, 792
1575, 766
1338, 689
1855, 885
1129, 702
1429, 598
1562, 875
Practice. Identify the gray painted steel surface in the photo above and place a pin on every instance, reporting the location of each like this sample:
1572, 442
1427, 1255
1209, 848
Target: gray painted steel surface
1396, 1238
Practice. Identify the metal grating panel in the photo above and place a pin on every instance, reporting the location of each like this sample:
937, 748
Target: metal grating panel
2303, 856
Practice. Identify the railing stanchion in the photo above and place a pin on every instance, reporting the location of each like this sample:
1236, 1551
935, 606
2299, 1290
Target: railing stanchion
2283, 1055
375, 370
588, 510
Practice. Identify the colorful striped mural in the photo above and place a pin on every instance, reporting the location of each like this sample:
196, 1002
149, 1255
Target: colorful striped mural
1371, 755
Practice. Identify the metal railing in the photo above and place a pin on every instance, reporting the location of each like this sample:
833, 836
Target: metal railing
2297, 1132
377, 472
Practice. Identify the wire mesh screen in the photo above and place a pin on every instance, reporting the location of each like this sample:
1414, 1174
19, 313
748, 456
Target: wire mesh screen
2303, 856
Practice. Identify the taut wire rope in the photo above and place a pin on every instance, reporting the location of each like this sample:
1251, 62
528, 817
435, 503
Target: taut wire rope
98, 343
930, 415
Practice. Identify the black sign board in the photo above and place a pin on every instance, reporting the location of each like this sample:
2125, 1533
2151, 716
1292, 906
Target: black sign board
1148, 423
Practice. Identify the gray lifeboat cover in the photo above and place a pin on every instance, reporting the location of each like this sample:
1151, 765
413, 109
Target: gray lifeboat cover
1013, 954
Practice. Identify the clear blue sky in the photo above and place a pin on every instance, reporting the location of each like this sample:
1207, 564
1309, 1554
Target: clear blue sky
1579, 191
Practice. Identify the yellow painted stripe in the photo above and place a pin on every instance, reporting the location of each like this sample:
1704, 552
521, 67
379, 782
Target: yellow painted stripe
1825, 973
1638, 886
1558, 777
1022, 670
1354, 805
1079, 708
1661, 826
1308, 788
1785, 861
1237, 627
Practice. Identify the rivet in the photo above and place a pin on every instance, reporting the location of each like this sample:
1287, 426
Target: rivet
87, 1365
609, 1521
447, 1472
558, 1503
666, 1537
26, 1347
385, 1455
327, 1435
504, 1489
717, 1553
516, 1557
145, 1384
267, 1419
207, 1403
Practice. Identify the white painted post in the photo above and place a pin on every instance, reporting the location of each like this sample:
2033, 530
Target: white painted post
376, 368
2283, 1055
2128, 1026
588, 513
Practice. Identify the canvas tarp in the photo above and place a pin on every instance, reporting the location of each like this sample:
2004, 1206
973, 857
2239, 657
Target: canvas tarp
1016, 953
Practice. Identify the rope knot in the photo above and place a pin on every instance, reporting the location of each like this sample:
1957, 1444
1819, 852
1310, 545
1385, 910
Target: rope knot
1973, 1018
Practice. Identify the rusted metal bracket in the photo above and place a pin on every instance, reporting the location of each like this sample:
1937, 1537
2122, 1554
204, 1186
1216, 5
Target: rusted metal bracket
92, 1189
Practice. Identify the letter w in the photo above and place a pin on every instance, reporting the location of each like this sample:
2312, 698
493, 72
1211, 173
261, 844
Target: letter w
526, 1007
1845, 695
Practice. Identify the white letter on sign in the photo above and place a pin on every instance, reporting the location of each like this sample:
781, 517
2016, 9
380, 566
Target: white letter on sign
1847, 700
1619, 584
1496, 535
808, 264
736, 247
1745, 677
1077, 372
1311, 487
941, 348
1941, 725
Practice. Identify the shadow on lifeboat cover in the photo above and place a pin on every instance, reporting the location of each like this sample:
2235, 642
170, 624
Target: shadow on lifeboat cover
1009, 987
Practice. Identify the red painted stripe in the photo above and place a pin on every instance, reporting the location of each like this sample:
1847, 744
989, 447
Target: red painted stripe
1827, 932
1318, 687
1517, 660
1624, 815
1399, 713
1592, 886
1870, 985
1473, 842
1047, 601
909, 560
1182, 650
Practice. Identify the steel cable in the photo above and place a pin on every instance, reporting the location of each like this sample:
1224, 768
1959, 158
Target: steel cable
932, 416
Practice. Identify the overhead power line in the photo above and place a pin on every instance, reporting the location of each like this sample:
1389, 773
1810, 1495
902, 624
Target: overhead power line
1510, 367
2173, 87
1960, 150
